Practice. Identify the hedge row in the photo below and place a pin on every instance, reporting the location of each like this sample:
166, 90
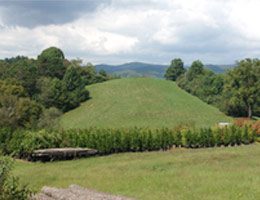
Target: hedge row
22, 143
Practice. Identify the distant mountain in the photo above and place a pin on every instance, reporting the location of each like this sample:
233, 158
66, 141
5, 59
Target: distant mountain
135, 69
219, 68
139, 69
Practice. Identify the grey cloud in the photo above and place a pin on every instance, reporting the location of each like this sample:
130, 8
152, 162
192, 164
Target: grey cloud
31, 13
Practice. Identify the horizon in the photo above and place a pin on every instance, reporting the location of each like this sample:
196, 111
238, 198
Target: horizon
128, 62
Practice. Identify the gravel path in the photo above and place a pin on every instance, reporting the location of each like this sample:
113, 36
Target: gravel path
74, 192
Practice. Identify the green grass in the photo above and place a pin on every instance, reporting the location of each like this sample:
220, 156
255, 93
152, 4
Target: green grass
215, 173
142, 102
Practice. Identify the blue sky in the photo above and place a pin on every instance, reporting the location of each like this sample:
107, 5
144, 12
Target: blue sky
118, 31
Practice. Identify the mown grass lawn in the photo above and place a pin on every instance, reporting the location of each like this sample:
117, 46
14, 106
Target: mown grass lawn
141, 102
214, 173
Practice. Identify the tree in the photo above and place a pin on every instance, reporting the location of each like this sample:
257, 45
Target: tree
49, 118
23, 70
64, 94
50, 91
18, 112
8, 114
89, 74
196, 69
72, 79
207, 86
101, 76
11, 87
28, 112
175, 70
242, 87
51, 63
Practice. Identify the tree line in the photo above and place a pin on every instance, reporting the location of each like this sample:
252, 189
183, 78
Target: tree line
35, 92
236, 92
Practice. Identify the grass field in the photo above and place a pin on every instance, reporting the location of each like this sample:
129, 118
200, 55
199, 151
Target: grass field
142, 102
215, 173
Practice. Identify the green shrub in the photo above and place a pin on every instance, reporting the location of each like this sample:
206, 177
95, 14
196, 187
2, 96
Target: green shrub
177, 138
218, 136
245, 135
5, 136
10, 188
188, 139
22, 143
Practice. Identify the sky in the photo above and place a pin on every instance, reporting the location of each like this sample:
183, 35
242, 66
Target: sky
119, 31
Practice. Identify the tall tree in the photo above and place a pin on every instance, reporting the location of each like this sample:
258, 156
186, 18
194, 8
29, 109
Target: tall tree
196, 68
242, 87
175, 70
51, 63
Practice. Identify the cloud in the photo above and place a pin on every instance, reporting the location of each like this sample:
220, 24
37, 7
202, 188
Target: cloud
69, 37
44, 12
126, 30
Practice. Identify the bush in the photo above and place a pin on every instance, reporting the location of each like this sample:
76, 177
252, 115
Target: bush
10, 188
106, 141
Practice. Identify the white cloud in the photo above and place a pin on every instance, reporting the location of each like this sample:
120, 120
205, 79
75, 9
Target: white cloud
244, 17
74, 36
156, 31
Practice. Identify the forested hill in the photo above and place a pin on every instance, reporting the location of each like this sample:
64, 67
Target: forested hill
140, 69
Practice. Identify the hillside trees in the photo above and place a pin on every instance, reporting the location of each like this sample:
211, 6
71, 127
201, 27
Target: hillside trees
18, 112
241, 94
175, 70
237, 93
89, 74
15, 108
33, 92
202, 83
74, 84
64, 94
21, 69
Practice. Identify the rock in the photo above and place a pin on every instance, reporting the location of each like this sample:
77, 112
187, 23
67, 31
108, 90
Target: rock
61, 154
74, 192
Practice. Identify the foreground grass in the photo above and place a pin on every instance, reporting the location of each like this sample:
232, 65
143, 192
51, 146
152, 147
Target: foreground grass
141, 102
214, 173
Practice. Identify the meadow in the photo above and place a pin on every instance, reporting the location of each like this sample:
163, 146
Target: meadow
141, 102
212, 173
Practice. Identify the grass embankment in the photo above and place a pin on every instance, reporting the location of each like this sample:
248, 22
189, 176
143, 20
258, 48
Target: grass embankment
141, 102
212, 173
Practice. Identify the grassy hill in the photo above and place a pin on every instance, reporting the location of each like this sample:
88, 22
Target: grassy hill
142, 102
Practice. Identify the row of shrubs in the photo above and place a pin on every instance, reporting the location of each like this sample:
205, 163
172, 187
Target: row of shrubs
107, 141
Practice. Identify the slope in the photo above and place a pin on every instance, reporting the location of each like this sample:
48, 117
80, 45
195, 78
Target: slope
142, 102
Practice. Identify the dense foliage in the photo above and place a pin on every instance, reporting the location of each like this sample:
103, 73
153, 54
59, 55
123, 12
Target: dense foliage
10, 188
242, 89
31, 89
106, 141
237, 92
175, 70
